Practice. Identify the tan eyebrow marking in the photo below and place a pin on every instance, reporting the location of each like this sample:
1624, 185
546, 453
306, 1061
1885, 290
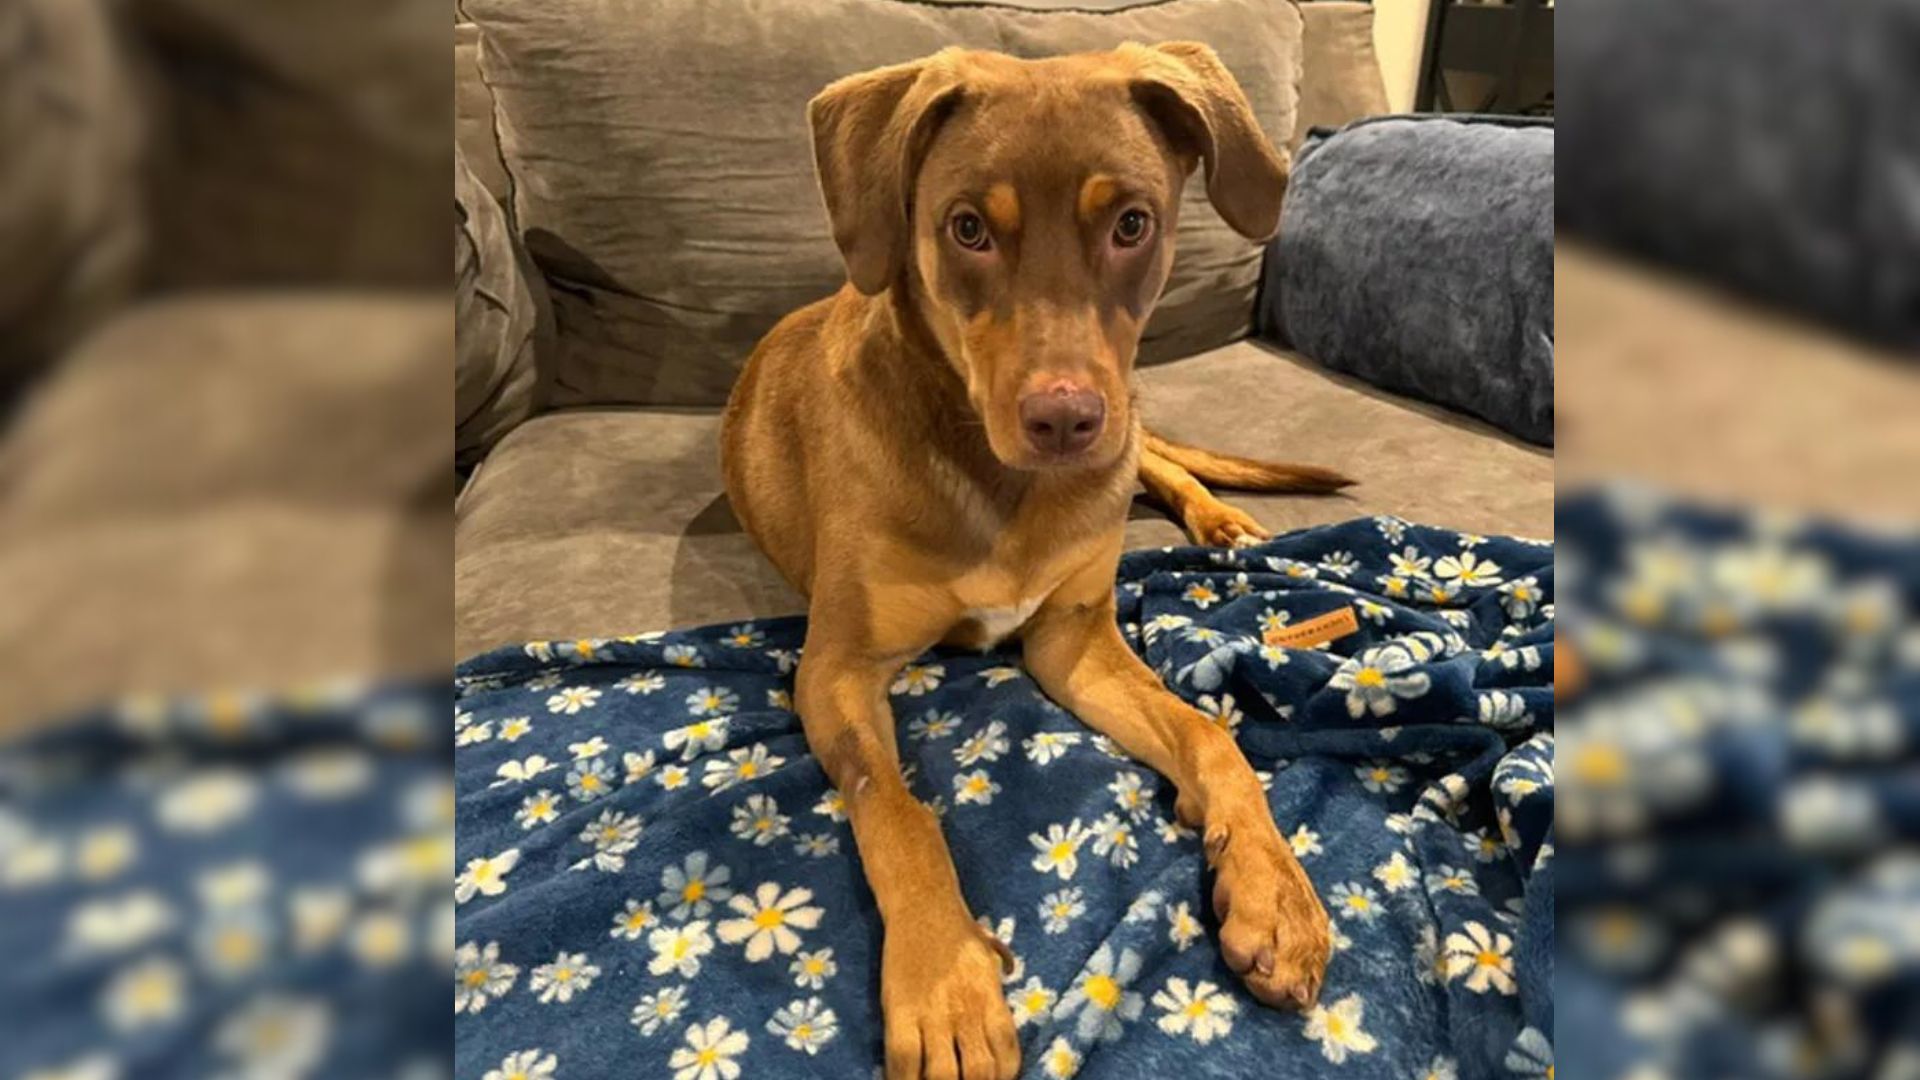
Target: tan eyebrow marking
1003, 208
1096, 195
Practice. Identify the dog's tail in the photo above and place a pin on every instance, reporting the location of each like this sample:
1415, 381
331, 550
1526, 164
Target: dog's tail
1246, 474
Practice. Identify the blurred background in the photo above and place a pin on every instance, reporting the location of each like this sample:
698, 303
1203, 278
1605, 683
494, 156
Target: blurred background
226, 410
226, 480
1738, 422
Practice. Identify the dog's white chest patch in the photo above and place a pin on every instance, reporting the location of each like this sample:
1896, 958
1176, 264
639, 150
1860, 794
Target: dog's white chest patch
996, 623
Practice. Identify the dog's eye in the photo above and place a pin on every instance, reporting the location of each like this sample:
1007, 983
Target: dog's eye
969, 231
1131, 229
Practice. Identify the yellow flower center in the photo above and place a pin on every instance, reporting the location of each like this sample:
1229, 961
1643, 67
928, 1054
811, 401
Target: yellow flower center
563, 975
748, 770
698, 731
1600, 764
1487, 958
1036, 1001
695, 890
708, 1056
803, 1032
763, 824
638, 920
485, 874
1370, 677
590, 782
476, 978
1060, 851
1196, 1010
1336, 1026
1103, 991
768, 919
1358, 902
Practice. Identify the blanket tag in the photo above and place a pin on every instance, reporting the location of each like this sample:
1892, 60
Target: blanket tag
1319, 630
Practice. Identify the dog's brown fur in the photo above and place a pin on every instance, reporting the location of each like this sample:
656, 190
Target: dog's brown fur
874, 449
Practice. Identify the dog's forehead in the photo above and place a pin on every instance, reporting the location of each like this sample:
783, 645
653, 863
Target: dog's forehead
1042, 122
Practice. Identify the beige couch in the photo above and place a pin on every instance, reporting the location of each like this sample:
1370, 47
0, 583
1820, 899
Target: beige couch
665, 194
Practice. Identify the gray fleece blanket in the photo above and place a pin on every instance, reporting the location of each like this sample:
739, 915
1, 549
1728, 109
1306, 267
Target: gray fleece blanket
1417, 254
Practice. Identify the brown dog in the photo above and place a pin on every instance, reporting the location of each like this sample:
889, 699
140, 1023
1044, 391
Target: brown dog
944, 451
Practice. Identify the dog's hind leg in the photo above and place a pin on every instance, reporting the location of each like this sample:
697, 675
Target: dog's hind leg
1172, 474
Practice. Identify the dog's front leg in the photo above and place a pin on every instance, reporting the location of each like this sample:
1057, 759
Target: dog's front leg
1273, 929
940, 972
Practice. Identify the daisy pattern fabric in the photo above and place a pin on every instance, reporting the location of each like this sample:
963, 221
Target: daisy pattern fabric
655, 879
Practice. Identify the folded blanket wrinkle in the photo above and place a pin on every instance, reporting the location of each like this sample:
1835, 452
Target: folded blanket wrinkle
657, 880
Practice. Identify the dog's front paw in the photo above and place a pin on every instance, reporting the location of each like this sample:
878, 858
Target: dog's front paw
946, 1018
1273, 930
1213, 523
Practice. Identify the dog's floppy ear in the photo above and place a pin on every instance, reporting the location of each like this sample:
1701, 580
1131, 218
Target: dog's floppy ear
1193, 97
870, 132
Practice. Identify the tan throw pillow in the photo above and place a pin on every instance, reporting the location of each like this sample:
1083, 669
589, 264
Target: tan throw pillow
1341, 81
500, 322
659, 158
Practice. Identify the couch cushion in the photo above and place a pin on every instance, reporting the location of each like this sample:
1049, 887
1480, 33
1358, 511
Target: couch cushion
501, 321
663, 176
229, 492
1340, 79
298, 143
601, 522
72, 124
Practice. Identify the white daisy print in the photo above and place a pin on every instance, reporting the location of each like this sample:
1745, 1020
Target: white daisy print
672, 777
538, 809
759, 820
768, 920
1338, 1029
1483, 957
1160, 624
479, 976
811, 970
1521, 597
679, 948
1396, 874
474, 733
519, 772
994, 676
568, 974
570, 701
975, 788
697, 738
1113, 837
1392, 528
1058, 852
1201, 595
638, 766
1466, 569
589, 779
1375, 679
713, 701
683, 656
744, 636
1047, 747
591, 748
832, 806
1410, 564
1339, 563
485, 876
1454, 880
654, 1011
1202, 1010
817, 845
1132, 794
1182, 927
1355, 901
634, 920
1381, 777
152, 991
1060, 1060
1172, 832
1483, 845
1440, 1068
987, 744
934, 725
1100, 996
512, 728
1030, 1003
1221, 711
525, 1065
1059, 909
916, 680
741, 765
805, 1025
1530, 1057
692, 888
1145, 907
643, 682
709, 1053
612, 835
1304, 842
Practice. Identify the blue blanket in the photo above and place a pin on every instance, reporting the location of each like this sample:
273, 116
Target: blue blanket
655, 880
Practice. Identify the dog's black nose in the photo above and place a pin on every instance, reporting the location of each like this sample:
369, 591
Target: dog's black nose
1063, 419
